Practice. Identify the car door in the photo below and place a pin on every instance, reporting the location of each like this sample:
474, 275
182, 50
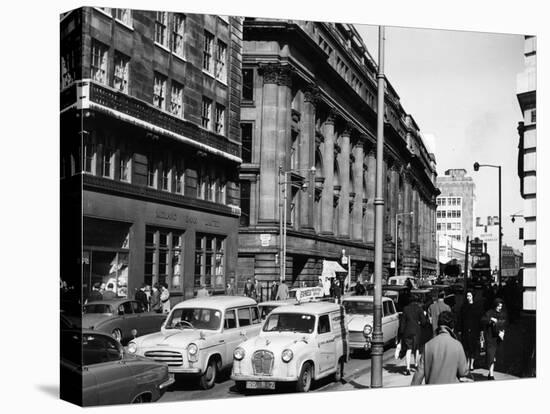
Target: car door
326, 343
390, 321
109, 378
231, 336
145, 322
249, 324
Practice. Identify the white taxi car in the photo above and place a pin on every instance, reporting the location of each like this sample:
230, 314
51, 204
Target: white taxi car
199, 336
359, 318
298, 343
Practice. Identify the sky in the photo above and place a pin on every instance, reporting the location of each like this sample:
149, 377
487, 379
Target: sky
460, 87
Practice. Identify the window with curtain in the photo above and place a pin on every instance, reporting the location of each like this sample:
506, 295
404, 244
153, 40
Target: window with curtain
161, 24
124, 15
220, 119
98, 65
207, 52
178, 31
176, 99
159, 91
221, 67
120, 78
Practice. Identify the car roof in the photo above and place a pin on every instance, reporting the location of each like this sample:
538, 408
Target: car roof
289, 301
363, 298
218, 301
309, 307
114, 302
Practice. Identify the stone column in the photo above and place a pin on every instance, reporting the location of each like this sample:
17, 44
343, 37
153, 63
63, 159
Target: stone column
306, 154
357, 213
344, 163
393, 202
327, 197
269, 166
284, 113
371, 184
415, 218
407, 220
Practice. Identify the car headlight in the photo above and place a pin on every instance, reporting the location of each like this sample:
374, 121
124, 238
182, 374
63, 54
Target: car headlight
238, 354
367, 330
132, 348
287, 355
192, 352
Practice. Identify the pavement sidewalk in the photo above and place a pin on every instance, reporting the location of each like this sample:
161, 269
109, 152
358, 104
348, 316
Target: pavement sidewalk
393, 376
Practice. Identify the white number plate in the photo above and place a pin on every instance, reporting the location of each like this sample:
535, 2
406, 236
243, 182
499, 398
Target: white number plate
260, 385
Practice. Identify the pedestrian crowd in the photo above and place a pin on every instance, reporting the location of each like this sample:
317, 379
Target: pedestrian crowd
441, 344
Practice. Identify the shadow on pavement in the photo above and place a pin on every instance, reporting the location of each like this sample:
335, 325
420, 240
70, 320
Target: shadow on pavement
395, 369
51, 390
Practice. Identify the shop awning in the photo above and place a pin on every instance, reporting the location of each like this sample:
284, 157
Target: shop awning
330, 267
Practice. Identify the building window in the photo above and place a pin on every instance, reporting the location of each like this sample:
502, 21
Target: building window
68, 66
159, 91
99, 62
89, 158
151, 172
248, 84
221, 67
161, 23
245, 203
124, 15
209, 261
178, 30
176, 99
120, 78
220, 117
207, 52
206, 112
534, 116
246, 142
163, 258
449, 226
179, 179
107, 159
165, 177
438, 226
124, 167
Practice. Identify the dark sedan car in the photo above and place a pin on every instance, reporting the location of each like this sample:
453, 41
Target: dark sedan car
103, 373
124, 319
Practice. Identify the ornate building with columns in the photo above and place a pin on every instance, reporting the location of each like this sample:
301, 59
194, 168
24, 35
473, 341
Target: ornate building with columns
309, 100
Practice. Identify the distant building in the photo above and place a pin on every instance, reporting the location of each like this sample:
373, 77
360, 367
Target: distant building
487, 231
455, 205
512, 261
527, 168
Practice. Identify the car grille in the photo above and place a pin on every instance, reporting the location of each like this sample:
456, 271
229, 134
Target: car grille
356, 337
262, 362
173, 359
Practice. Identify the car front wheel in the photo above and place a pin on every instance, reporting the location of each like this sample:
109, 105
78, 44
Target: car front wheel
208, 379
305, 378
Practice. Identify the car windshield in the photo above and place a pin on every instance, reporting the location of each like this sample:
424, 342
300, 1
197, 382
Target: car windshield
266, 310
98, 308
194, 318
290, 322
358, 307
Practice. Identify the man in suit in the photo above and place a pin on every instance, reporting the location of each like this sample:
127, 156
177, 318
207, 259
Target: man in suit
436, 308
444, 360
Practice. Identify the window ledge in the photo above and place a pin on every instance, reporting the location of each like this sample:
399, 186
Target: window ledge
162, 47
179, 57
224, 83
208, 74
127, 26
103, 12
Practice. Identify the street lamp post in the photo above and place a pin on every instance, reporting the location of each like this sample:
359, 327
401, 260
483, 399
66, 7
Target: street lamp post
410, 213
283, 181
377, 349
476, 168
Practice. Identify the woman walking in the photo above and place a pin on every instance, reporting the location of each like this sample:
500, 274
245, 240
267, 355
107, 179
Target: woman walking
494, 323
469, 327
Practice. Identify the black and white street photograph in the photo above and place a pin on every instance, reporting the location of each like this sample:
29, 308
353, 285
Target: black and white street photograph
253, 206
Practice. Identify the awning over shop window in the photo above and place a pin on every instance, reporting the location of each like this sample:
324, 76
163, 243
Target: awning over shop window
330, 267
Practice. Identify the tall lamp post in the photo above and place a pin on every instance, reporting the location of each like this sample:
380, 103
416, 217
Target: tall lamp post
410, 213
476, 168
283, 181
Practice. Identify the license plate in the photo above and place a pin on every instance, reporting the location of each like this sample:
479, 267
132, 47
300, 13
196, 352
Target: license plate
260, 385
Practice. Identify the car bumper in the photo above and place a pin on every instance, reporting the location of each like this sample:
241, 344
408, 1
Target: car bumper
365, 345
266, 378
167, 383
183, 370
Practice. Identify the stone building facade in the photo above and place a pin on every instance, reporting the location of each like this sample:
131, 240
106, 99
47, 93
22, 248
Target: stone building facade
309, 100
527, 168
150, 149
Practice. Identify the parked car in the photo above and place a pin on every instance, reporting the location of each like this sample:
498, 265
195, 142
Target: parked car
200, 335
359, 319
103, 373
124, 319
399, 294
402, 280
298, 344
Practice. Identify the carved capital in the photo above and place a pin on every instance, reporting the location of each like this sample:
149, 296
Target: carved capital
269, 72
331, 116
346, 130
285, 76
312, 94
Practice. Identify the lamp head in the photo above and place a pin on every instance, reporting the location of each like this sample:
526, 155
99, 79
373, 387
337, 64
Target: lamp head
476, 166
